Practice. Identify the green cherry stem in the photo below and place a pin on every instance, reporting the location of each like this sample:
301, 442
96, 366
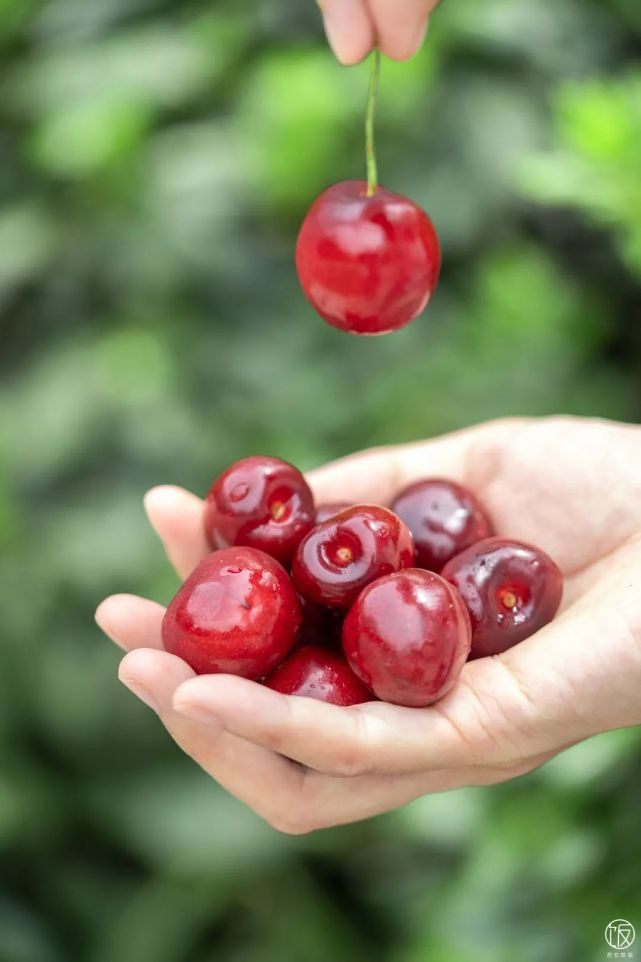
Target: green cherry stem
370, 150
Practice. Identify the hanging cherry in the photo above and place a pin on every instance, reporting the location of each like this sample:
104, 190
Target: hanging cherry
368, 259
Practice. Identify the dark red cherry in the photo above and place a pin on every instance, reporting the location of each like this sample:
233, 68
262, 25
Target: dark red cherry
407, 637
326, 511
320, 626
237, 613
444, 518
314, 672
339, 557
260, 502
511, 589
369, 265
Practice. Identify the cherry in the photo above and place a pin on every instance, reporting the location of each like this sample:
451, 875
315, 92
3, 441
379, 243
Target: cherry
314, 672
407, 637
368, 263
237, 613
444, 518
339, 557
326, 511
260, 502
320, 626
511, 590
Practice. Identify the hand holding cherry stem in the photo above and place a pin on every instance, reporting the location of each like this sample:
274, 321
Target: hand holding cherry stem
571, 486
355, 27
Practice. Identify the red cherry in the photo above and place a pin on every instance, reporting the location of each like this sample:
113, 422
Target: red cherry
511, 589
369, 265
237, 613
260, 502
326, 511
407, 637
314, 672
444, 518
339, 557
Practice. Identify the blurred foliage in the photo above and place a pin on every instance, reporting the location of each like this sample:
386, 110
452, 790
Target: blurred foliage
157, 159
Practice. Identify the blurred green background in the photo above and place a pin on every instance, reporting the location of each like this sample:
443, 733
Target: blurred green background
156, 158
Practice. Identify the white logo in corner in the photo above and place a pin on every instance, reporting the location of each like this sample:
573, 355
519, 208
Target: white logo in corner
620, 934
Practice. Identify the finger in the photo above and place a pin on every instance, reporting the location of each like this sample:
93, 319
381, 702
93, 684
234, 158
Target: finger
400, 25
481, 723
240, 767
337, 741
348, 27
327, 801
130, 621
295, 801
177, 517
376, 475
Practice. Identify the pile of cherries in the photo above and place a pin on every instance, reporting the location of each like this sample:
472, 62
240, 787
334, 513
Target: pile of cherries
353, 603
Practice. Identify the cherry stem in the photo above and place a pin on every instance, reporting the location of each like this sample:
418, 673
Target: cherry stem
370, 150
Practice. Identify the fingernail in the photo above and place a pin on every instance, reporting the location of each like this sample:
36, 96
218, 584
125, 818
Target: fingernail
141, 692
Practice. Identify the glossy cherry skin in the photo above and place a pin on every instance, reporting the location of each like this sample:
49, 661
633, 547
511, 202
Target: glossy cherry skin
511, 589
260, 502
326, 511
313, 672
407, 637
444, 518
369, 265
237, 613
339, 557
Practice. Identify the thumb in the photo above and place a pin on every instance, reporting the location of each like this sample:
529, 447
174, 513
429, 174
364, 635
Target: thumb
400, 25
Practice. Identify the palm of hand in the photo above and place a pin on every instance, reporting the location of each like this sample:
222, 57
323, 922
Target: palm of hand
571, 486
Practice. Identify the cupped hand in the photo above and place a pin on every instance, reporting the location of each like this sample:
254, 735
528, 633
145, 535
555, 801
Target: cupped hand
355, 27
571, 486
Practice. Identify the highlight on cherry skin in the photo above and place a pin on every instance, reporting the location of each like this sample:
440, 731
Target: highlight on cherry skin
314, 672
260, 502
368, 263
511, 590
237, 613
444, 518
341, 556
407, 637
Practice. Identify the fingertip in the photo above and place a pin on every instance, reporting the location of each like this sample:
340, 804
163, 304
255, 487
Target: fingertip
404, 46
167, 500
177, 517
109, 615
131, 621
354, 55
102, 612
348, 29
157, 671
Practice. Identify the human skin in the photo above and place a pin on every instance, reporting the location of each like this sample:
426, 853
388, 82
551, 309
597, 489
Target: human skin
355, 27
572, 486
